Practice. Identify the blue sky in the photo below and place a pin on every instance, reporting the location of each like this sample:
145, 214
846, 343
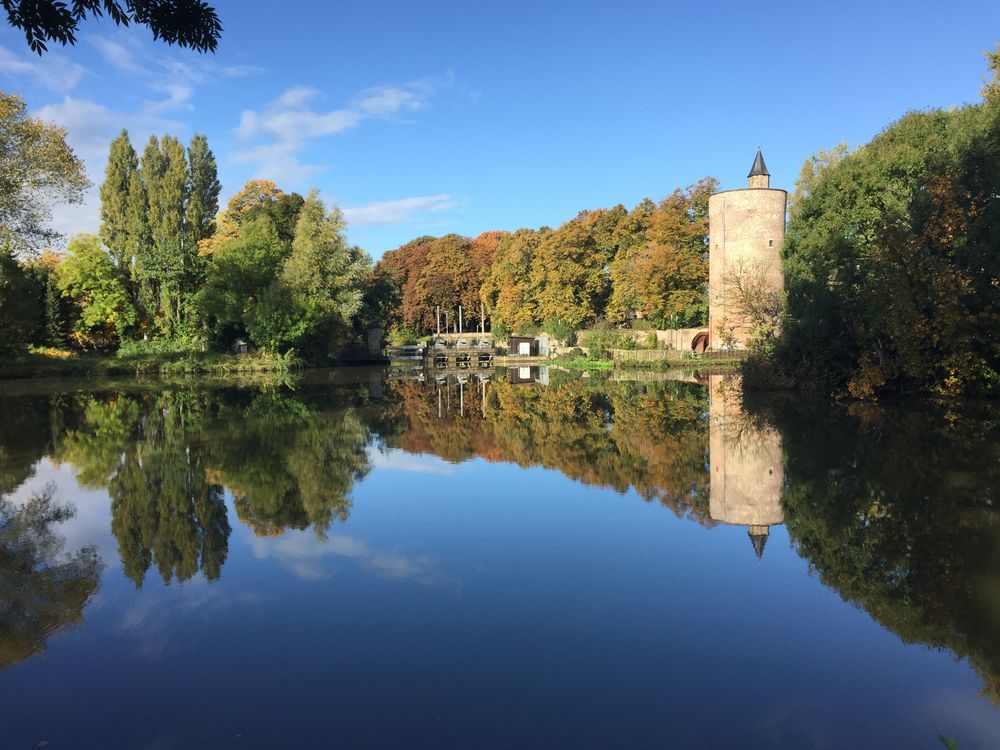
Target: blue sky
462, 117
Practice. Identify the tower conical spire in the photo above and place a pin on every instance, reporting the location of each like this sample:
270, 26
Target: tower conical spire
759, 167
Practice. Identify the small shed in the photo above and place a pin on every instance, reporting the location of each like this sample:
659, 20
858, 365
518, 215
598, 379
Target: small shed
522, 346
240, 346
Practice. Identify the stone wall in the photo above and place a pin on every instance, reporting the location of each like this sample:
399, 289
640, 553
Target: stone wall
671, 338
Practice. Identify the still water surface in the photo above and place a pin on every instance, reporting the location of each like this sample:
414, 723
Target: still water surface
535, 560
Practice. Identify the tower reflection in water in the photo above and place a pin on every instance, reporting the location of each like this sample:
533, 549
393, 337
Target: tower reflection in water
745, 460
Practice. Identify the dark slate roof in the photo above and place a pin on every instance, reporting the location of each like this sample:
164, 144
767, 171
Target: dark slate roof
759, 167
758, 541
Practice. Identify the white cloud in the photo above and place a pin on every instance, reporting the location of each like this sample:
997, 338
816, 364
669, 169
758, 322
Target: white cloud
297, 96
277, 162
384, 101
399, 211
118, 55
54, 71
283, 128
165, 73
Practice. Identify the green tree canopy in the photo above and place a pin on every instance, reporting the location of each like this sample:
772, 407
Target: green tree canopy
19, 307
322, 274
891, 268
203, 203
186, 23
240, 271
91, 280
117, 229
38, 169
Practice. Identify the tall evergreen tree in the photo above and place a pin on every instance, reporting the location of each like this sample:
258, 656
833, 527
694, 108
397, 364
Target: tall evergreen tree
55, 326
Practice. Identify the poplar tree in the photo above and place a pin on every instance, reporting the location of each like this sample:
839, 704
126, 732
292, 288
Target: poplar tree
165, 261
139, 241
171, 234
204, 201
148, 212
116, 224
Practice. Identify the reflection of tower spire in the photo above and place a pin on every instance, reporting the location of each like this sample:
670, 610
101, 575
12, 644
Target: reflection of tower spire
758, 538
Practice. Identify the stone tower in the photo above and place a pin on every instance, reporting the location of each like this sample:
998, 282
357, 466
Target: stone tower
746, 230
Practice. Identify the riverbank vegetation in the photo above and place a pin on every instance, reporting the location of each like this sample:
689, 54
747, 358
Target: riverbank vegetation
41, 362
891, 261
890, 264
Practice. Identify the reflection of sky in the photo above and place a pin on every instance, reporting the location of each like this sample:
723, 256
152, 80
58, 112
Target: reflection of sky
481, 600
393, 459
306, 555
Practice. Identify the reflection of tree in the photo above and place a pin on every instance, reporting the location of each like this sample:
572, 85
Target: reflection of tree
44, 590
164, 510
900, 517
661, 431
25, 436
647, 436
95, 448
291, 467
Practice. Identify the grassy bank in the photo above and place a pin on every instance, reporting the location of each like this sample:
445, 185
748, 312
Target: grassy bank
685, 362
54, 363
585, 364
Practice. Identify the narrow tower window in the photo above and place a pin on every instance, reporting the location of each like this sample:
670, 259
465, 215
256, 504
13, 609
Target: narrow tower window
770, 243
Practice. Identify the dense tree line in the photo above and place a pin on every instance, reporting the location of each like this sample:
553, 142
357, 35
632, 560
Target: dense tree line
891, 264
613, 265
281, 273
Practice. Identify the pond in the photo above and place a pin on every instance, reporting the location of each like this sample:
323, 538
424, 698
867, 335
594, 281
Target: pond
514, 558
